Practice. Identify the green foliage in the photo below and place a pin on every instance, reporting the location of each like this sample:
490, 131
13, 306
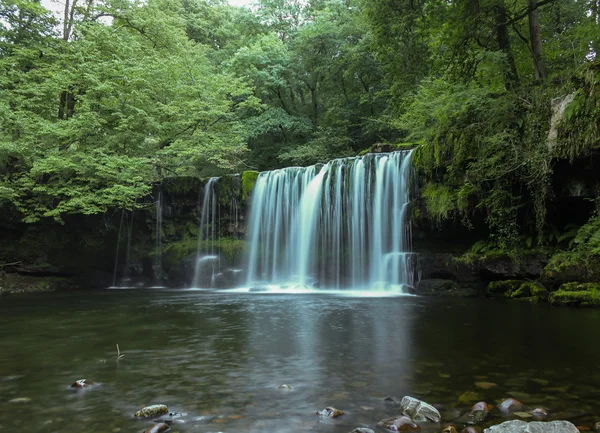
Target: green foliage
439, 200
248, 182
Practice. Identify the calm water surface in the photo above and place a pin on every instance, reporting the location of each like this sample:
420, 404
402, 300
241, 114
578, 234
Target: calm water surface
218, 358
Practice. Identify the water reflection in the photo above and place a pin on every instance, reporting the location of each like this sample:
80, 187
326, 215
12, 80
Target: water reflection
219, 358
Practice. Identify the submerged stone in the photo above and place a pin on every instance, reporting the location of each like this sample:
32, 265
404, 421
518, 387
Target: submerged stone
473, 417
449, 429
419, 410
284, 386
330, 412
402, 423
471, 430
469, 396
362, 430
152, 411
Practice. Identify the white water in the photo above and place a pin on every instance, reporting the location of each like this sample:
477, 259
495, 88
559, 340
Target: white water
339, 226
206, 260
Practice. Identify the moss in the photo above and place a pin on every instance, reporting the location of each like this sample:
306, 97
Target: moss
503, 287
248, 182
572, 266
228, 247
576, 294
518, 289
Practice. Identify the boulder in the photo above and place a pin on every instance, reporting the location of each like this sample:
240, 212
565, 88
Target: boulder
152, 411
419, 410
330, 412
517, 426
400, 424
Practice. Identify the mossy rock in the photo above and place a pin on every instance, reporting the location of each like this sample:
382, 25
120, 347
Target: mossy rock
17, 283
566, 267
576, 294
248, 183
503, 287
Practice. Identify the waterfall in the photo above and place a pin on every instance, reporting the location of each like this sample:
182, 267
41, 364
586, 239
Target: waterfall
206, 259
158, 268
339, 225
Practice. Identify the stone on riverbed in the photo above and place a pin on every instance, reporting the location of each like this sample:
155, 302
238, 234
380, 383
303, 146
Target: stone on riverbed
152, 411
419, 410
330, 412
284, 386
481, 405
400, 424
473, 417
517, 426
362, 430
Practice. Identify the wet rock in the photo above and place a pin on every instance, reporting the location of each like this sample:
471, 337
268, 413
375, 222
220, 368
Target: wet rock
157, 428
523, 415
449, 429
538, 412
284, 386
518, 426
402, 423
471, 430
511, 405
152, 411
19, 400
362, 430
419, 410
330, 412
82, 383
598, 426
481, 405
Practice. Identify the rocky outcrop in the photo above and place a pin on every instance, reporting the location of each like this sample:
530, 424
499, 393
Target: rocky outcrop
576, 294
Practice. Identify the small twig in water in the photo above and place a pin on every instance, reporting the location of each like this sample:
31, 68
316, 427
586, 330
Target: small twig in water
119, 356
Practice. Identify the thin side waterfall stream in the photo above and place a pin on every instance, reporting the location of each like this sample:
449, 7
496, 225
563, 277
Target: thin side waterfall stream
340, 225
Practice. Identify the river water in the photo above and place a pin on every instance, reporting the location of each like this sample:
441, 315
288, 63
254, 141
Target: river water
218, 358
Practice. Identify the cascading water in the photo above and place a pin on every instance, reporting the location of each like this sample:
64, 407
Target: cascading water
340, 225
206, 259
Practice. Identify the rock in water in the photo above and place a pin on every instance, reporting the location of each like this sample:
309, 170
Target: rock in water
403, 423
419, 410
449, 429
511, 405
471, 430
151, 411
83, 383
330, 412
517, 426
481, 405
157, 428
362, 430
284, 386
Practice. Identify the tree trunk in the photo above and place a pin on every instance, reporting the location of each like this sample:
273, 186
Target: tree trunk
537, 51
503, 40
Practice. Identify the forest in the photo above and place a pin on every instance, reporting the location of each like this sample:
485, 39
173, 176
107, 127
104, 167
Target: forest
113, 96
